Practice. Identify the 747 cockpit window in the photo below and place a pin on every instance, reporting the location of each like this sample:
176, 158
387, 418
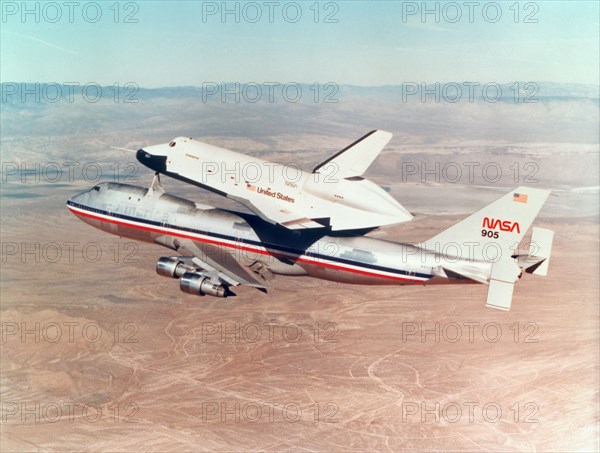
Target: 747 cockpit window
97, 188
172, 144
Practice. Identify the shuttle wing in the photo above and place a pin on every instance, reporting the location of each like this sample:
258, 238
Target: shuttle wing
273, 214
337, 217
357, 157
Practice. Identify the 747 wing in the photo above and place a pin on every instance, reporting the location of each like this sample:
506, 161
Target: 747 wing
206, 264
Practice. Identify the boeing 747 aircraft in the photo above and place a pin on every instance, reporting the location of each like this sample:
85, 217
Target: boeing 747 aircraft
218, 249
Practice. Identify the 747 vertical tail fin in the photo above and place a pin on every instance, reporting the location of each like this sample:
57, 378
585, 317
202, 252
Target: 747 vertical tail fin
492, 235
499, 226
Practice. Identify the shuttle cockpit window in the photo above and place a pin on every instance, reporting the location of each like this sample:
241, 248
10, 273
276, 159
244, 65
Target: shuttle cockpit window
97, 188
172, 144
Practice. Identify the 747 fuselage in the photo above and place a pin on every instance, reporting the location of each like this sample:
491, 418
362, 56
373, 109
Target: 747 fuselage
155, 217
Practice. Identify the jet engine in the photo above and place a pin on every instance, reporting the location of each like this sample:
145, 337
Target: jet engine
171, 267
192, 282
200, 285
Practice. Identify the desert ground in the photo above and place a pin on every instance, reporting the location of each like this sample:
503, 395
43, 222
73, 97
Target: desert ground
101, 354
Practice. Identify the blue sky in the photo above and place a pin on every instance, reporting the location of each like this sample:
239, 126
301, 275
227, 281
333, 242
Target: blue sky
372, 43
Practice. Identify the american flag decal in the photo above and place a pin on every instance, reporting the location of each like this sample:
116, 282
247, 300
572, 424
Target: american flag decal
520, 197
251, 187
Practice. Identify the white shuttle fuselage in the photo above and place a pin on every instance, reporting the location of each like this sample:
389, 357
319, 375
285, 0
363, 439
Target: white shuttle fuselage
334, 195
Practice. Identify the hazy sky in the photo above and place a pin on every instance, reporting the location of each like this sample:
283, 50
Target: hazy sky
347, 42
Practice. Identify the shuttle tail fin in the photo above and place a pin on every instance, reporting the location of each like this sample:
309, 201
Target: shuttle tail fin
356, 158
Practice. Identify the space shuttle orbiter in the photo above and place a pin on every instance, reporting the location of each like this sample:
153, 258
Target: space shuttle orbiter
334, 195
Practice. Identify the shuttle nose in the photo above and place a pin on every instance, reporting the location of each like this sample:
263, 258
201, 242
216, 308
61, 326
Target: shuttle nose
140, 154
153, 162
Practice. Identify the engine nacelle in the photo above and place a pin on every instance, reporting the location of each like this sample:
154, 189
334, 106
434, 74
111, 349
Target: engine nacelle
171, 267
200, 285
